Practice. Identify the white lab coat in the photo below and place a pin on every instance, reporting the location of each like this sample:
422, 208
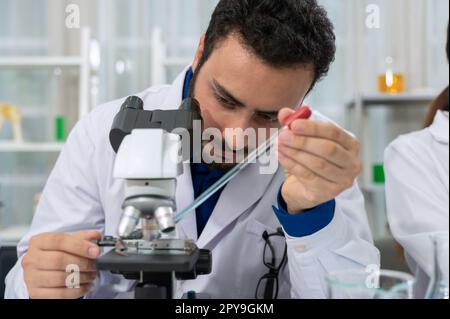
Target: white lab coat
82, 194
417, 178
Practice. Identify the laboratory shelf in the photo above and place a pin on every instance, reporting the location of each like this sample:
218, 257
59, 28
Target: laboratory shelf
389, 100
359, 117
357, 121
42, 61
13, 147
20, 186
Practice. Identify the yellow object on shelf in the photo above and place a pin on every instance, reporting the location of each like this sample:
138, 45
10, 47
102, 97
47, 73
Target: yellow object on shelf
391, 81
12, 113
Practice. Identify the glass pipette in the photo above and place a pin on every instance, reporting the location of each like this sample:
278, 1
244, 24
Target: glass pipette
302, 113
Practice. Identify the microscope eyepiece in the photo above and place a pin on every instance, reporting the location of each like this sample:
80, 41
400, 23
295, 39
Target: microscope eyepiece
133, 102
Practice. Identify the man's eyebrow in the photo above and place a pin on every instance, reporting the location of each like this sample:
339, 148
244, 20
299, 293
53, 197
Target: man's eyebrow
226, 94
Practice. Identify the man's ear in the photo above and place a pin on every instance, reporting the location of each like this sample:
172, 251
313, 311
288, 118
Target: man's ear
199, 52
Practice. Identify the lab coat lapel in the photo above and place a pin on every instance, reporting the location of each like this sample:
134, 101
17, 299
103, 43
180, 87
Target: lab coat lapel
239, 195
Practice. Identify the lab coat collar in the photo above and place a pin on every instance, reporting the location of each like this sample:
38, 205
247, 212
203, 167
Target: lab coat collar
239, 195
440, 127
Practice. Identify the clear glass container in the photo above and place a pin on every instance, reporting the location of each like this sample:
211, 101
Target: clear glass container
360, 284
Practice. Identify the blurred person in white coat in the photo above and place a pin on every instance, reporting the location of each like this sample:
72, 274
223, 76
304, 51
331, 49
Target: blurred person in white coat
255, 64
417, 189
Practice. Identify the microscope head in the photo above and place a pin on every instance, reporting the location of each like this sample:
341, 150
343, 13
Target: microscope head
149, 159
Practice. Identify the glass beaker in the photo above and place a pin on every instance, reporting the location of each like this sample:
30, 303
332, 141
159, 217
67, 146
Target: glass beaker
390, 80
439, 283
378, 284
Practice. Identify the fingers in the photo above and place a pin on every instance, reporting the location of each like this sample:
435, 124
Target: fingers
321, 130
327, 131
58, 279
46, 264
56, 261
59, 293
88, 235
292, 167
320, 161
323, 148
284, 114
319, 166
66, 243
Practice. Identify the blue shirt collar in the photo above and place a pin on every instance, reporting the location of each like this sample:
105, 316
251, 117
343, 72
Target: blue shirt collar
187, 83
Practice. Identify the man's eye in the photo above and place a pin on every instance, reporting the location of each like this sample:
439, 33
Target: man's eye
224, 102
267, 118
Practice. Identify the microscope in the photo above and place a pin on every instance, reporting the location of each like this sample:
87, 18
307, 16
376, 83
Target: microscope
150, 158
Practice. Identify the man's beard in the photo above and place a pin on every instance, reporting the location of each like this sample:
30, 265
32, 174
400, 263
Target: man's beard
219, 161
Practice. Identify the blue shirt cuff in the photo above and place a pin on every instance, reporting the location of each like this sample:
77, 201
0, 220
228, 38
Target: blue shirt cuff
306, 223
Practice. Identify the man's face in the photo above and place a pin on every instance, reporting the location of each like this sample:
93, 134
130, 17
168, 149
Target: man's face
237, 90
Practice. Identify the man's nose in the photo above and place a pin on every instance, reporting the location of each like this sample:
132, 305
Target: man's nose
237, 135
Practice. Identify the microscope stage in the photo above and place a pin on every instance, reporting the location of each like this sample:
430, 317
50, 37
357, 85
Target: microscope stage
117, 263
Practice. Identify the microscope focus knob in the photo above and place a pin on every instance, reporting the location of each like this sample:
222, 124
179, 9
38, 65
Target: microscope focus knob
204, 263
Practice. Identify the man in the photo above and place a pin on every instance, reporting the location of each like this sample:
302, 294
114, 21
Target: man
254, 66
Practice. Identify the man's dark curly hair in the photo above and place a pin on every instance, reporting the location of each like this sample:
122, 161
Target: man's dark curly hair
282, 33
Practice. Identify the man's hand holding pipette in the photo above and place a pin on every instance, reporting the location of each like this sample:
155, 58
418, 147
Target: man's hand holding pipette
320, 161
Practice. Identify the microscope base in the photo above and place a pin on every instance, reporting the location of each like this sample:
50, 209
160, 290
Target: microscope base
157, 273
